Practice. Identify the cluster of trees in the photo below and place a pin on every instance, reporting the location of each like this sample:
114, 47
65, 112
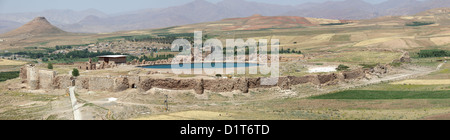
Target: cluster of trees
163, 39
69, 56
146, 58
416, 23
63, 47
332, 24
433, 53
290, 51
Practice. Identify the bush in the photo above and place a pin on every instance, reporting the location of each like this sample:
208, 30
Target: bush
50, 66
75, 73
342, 68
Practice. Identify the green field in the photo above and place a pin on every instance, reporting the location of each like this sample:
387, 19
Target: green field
377, 94
8, 75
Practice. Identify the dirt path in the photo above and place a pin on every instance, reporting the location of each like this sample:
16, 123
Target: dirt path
75, 106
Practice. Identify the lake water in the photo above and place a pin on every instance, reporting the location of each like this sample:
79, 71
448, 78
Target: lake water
202, 65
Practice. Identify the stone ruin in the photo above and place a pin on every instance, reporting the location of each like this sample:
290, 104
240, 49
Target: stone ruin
405, 58
97, 66
47, 79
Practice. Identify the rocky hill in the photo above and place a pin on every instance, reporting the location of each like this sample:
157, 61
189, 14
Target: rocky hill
38, 26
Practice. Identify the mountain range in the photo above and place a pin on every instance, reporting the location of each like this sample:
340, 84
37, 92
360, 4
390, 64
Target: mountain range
94, 21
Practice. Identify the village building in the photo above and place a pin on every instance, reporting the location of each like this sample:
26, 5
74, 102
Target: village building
116, 59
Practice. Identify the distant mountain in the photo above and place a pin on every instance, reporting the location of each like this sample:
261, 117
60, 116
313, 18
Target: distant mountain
56, 16
348, 9
38, 26
259, 22
6, 25
358, 9
198, 11
195, 12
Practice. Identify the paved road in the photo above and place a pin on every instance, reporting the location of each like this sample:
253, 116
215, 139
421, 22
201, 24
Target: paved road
75, 106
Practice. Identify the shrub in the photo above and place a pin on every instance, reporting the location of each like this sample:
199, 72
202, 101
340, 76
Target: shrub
50, 66
342, 68
75, 73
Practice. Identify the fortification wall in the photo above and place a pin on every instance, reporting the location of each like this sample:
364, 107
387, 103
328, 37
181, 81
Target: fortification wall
82, 82
46, 78
33, 78
23, 73
62, 82
101, 84
176, 84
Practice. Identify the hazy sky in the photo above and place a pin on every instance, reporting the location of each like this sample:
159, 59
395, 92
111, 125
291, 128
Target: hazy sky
115, 6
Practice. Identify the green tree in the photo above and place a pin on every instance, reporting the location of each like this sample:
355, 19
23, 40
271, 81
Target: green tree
75, 73
50, 66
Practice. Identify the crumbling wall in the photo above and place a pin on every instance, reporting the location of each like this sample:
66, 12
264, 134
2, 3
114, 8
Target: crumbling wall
258, 83
101, 84
334, 77
121, 84
134, 81
168, 83
82, 82
23, 73
46, 78
62, 81
33, 78
354, 74
314, 79
284, 83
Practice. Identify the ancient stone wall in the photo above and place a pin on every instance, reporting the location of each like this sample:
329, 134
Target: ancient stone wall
82, 82
62, 81
46, 78
354, 74
101, 84
33, 78
23, 73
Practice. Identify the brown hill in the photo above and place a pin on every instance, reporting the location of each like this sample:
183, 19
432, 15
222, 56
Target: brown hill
38, 26
258, 22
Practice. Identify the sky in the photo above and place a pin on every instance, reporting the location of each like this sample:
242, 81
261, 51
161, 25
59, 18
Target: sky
116, 6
